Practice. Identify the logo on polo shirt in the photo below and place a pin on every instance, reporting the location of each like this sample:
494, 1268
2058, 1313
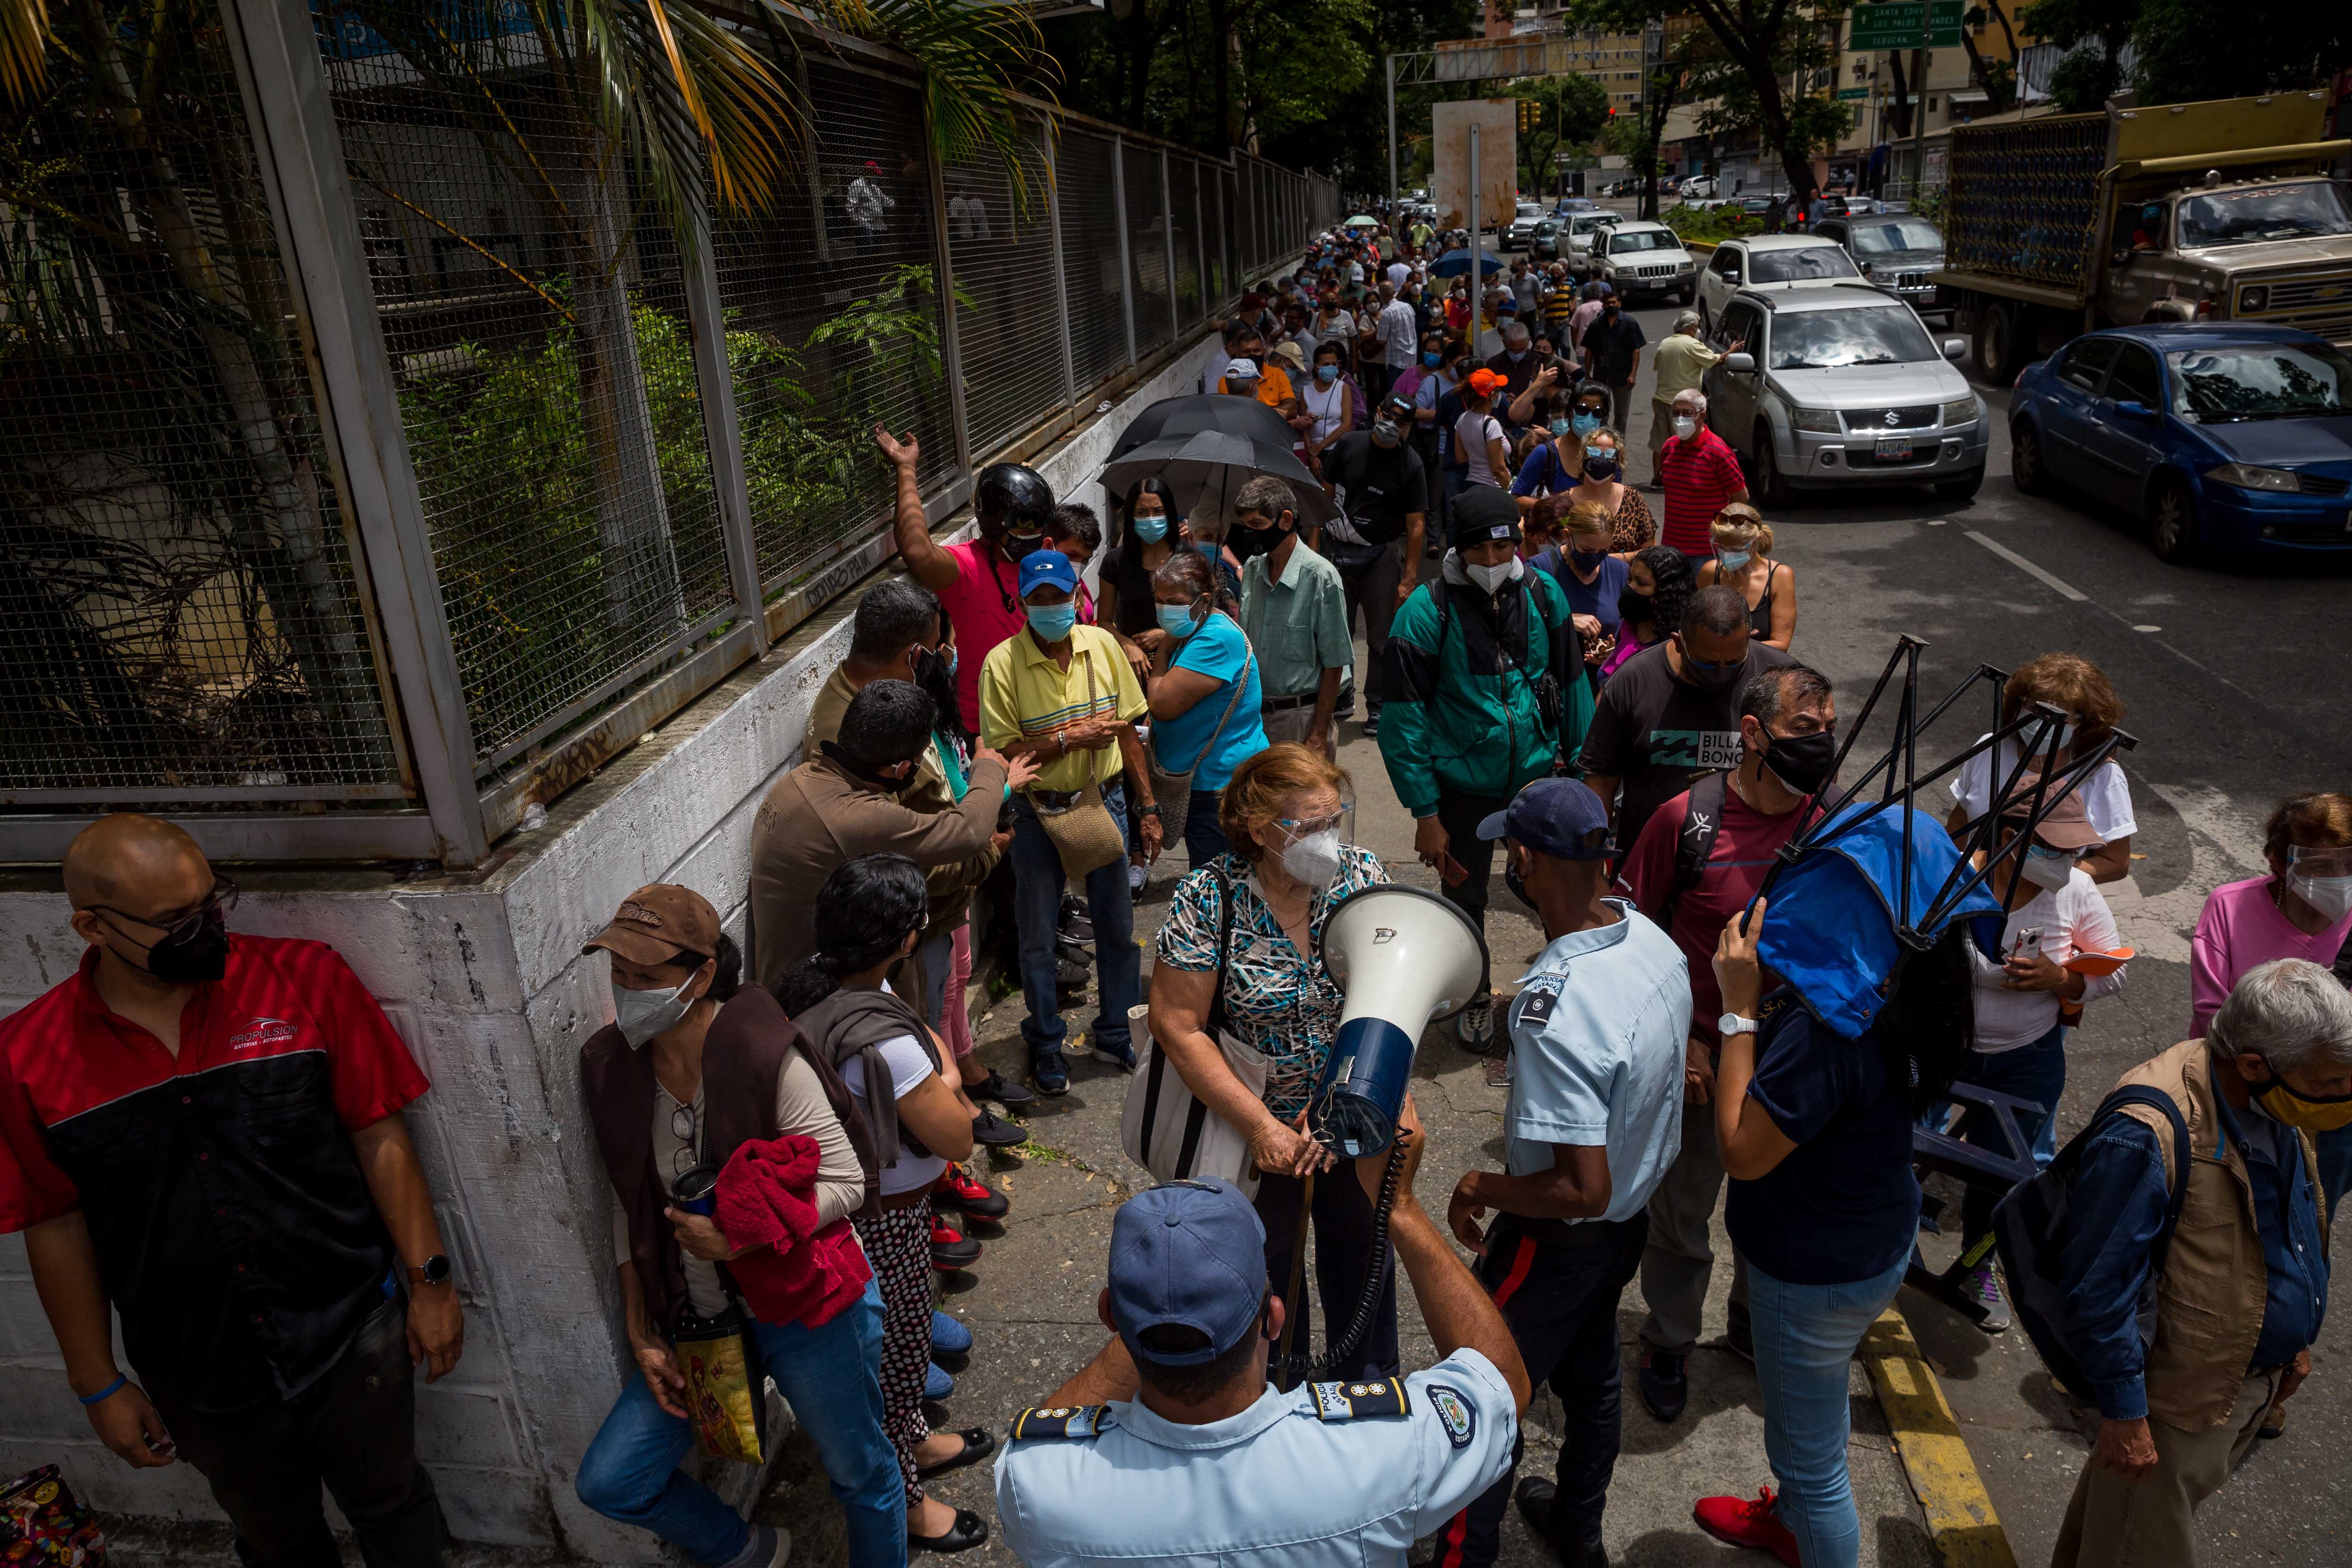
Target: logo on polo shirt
260, 1032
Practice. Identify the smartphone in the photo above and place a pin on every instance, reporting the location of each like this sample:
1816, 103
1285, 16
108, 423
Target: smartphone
1452, 871
2030, 937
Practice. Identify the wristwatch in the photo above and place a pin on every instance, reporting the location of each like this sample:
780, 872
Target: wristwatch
1733, 1024
434, 1270
1152, 810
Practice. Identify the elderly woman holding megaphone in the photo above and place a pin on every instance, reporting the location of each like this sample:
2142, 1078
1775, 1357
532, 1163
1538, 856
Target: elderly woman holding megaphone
1247, 1017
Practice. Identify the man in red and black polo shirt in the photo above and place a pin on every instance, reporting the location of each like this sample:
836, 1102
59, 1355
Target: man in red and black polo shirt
202, 1131
1701, 477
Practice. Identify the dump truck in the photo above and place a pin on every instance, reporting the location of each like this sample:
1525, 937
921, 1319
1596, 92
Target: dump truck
2228, 210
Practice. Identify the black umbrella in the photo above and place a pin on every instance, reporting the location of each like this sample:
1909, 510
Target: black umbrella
1213, 411
1206, 468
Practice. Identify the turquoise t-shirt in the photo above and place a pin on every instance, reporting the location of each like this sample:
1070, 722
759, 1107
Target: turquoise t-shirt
1219, 650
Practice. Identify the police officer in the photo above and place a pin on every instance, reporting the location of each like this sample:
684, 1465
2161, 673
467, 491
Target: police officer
1206, 1460
1594, 1122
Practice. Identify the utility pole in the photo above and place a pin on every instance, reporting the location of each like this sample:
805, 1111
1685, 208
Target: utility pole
1392, 147
1919, 59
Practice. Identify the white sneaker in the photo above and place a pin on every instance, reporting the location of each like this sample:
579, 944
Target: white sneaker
1137, 873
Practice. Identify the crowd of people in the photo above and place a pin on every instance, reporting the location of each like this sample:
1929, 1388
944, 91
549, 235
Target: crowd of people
1023, 726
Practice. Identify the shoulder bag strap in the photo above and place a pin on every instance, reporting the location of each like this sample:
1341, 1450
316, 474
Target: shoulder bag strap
1197, 1118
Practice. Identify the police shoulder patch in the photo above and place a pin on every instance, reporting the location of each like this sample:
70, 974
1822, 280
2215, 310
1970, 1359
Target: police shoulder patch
1353, 1401
1066, 1421
1537, 1002
1454, 1413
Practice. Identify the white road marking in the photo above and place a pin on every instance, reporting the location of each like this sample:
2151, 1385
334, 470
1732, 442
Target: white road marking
2148, 628
2030, 569
2224, 844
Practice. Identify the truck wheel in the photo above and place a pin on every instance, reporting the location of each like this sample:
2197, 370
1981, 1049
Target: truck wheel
1770, 487
2001, 346
1690, 292
2025, 470
2172, 531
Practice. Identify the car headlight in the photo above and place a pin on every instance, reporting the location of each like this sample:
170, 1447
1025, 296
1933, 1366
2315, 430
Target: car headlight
1960, 411
2247, 477
1817, 420
2254, 298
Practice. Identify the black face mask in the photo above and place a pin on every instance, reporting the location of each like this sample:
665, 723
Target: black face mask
1019, 547
1516, 883
1636, 607
1802, 762
191, 952
857, 770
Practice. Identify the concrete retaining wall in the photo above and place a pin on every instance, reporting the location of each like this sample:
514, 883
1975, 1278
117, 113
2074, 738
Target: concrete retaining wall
485, 980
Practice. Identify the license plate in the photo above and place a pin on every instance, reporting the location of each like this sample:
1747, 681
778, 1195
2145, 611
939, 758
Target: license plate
1894, 449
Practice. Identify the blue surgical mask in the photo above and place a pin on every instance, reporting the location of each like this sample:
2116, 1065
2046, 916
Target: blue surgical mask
1559, 426
1326, 373
1176, 620
1586, 423
1052, 622
1432, 361
1150, 527
1733, 559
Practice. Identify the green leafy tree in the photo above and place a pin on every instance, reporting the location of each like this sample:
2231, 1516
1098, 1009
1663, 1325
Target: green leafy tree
1569, 112
2272, 47
2086, 76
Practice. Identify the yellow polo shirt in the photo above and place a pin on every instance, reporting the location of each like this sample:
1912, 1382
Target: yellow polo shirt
1024, 694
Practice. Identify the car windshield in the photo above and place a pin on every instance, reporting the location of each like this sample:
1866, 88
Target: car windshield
1903, 234
2273, 381
1875, 334
1625, 240
2263, 212
1796, 266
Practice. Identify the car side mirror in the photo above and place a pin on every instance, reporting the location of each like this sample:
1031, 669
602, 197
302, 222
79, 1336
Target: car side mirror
1955, 347
2134, 409
1741, 363
1731, 275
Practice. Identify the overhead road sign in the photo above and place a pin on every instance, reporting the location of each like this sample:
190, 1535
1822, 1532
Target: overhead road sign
1906, 25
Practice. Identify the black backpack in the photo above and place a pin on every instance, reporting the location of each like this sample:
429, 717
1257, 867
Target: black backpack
1694, 845
2034, 1227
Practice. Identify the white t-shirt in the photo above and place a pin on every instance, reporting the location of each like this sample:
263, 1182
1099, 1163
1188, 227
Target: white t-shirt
1398, 272
910, 1064
1471, 434
2073, 918
2106, 797
1329, 405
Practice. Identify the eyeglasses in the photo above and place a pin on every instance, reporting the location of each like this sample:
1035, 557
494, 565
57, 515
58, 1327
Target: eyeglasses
214, 905
685, 1126
1309, 827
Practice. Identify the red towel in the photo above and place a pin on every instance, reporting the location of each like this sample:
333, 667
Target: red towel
795, 1273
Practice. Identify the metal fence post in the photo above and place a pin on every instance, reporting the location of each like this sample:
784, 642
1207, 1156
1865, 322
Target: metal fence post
950, 352
1061, 278
1126, 263
300, 153
725, 434
1209, 303
1167, 243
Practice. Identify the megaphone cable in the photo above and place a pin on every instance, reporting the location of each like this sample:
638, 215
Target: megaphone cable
1290, 1369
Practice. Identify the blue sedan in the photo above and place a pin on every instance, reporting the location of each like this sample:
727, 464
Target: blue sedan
2218, 435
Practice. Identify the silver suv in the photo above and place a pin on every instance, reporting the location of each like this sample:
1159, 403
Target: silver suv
1838, 384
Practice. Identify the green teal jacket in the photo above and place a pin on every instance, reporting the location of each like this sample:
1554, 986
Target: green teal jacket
1464, 711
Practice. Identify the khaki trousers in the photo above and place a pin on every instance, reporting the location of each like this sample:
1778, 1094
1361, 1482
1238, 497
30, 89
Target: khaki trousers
1662, 426
2113, 1522
1678, 1264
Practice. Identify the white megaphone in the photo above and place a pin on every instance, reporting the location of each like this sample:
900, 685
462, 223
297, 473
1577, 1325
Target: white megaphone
1404, 956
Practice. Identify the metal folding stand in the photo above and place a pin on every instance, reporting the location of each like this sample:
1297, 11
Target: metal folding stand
1934, 1151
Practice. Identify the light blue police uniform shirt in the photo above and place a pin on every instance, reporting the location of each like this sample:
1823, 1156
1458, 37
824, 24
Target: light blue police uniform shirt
1598, 1031
1274, 1485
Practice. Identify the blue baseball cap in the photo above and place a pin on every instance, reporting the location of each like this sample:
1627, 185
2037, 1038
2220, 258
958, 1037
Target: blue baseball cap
1192, 1253
1044, 568
1552, 817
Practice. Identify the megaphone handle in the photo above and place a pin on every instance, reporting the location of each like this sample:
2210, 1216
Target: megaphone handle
1294, 1296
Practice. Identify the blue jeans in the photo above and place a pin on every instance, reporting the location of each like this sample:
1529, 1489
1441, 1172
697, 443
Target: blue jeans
1204, 836
832, 1377
1037, 882
1805, 1341
2036, 1072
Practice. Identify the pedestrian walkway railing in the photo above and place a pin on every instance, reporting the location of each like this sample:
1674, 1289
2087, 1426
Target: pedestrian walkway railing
374, 463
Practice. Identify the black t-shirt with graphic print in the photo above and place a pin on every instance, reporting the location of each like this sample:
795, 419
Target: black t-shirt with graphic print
1658, 733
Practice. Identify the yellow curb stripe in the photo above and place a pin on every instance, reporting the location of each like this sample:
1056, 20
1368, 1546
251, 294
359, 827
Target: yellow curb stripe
1960, 1518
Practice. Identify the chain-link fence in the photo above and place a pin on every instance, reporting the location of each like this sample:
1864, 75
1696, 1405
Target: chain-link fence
591, 538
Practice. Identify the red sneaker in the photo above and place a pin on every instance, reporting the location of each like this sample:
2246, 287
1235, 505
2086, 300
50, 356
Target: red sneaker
959, 1188
1742, 1521
950, 1250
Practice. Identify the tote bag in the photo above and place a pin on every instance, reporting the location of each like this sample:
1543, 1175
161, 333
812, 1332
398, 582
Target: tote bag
1164, 1127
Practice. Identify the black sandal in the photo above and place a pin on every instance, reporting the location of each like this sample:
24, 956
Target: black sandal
979, 1443
970, 1531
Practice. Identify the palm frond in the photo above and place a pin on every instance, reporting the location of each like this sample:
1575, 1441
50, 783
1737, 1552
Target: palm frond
24, 49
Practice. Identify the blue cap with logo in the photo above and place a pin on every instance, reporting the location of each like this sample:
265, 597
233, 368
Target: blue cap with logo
1554, 817
1047, 568
1190, 1252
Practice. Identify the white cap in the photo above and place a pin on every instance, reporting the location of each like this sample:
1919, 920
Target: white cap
1243, 370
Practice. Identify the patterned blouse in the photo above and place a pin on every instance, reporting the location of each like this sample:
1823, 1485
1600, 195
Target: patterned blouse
1279, 1001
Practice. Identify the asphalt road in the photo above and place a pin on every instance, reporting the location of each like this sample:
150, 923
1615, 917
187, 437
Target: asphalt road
2234, 680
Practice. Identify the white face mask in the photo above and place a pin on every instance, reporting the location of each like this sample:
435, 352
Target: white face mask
2045, 870
642, 1015
1686, 426
1492, 578
1313, 860
2331, 896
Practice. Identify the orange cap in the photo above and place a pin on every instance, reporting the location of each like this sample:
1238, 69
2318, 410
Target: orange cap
1484, 381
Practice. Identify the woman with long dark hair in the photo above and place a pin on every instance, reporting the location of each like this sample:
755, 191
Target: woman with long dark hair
870, 914
1658, 588
1815, 1133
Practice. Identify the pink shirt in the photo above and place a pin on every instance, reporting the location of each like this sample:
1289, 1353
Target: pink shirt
2241, 929
981, 604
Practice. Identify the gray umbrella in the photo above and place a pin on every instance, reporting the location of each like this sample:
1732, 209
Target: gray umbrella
1207, 468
